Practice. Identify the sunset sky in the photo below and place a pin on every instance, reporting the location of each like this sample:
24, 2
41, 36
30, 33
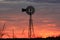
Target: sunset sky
46, 18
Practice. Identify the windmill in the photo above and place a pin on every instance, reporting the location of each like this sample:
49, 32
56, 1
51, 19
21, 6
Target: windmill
30, 11
2, 32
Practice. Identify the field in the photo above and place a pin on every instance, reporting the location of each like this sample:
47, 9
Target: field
48, 38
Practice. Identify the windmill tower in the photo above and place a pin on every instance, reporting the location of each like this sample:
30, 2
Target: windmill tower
2, 32
30, 11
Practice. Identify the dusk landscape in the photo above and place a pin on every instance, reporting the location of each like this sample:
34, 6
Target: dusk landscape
14, 23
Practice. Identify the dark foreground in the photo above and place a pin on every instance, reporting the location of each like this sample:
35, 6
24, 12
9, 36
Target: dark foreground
48, 38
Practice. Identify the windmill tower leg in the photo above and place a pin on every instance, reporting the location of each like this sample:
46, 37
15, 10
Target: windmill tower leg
31, 29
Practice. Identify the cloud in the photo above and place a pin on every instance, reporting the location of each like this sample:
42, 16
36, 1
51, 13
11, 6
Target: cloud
1, 0
45, 10
37, 1
13, 6
46, 1
12, 0
15, 0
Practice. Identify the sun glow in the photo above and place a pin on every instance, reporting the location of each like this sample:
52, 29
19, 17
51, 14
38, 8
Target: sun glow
43, 31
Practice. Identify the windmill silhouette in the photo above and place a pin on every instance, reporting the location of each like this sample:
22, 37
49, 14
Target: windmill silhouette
30, 11
2, 32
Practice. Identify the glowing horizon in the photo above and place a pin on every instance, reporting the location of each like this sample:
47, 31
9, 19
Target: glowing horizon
41, 31
46, 19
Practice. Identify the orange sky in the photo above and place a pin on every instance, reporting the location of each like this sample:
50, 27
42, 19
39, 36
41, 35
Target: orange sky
43, 27
46, 18
43, 31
